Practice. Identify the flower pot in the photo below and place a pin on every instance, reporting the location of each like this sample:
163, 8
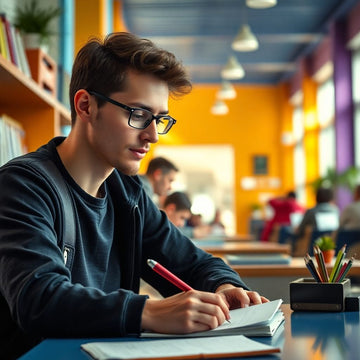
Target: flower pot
328, 255
34, 41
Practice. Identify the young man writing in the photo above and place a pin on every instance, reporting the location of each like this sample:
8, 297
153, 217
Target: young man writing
119, 94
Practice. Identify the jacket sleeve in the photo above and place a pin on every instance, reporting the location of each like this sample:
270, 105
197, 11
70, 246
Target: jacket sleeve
33, 278
166, 244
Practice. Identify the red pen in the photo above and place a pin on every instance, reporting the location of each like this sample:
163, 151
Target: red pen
166, 274
169, 276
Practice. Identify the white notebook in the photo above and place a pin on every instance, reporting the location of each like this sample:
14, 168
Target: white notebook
256, 320
194, 348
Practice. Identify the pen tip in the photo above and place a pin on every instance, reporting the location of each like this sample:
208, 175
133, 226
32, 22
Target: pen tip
151, 262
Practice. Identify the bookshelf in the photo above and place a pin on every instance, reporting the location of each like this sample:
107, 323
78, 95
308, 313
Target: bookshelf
40, 114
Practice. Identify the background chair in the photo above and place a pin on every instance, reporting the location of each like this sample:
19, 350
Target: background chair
305, 244
349, 237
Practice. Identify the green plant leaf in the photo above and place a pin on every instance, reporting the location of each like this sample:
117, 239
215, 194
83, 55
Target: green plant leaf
31, 18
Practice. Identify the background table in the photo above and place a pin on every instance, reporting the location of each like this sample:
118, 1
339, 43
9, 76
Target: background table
242, 247
303, 336
273, 281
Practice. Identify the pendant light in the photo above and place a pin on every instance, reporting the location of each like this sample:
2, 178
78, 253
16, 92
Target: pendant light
261, 4
245, 40
232, 70
226, 92
219, 108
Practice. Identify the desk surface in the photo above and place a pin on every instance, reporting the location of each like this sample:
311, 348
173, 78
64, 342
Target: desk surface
243, 247
304, 336
295, 268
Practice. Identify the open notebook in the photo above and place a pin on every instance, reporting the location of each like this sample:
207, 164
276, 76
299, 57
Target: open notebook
195, 348
256, 320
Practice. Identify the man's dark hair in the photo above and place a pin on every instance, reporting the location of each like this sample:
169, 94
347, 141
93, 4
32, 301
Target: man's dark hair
160, 163
291, 194
324, 195
179, 199
102, 66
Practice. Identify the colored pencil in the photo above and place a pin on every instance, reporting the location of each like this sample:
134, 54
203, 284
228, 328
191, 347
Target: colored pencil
348, 266
312, 268
321, 265
335, 270
343, 267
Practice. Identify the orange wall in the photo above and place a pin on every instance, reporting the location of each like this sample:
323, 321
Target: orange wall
256, 119
253, 126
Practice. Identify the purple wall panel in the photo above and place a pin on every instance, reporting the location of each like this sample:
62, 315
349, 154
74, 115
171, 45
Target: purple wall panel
343, 105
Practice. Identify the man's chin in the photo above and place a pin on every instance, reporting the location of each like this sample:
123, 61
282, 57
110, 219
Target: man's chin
129, 170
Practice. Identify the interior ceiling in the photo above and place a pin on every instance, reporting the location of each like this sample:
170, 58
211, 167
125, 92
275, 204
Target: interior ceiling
200, 33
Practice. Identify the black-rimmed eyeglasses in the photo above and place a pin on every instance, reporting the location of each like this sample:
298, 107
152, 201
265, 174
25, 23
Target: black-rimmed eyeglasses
141, 118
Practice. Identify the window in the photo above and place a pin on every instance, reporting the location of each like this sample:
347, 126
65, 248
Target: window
299, 154
356, 100
325, 99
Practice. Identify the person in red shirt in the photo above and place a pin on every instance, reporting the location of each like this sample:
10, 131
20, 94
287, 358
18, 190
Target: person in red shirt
282, 207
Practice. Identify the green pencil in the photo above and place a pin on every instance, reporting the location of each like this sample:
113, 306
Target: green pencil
335, 270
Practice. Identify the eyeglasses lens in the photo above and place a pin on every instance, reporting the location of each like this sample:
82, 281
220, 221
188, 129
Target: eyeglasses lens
141, 119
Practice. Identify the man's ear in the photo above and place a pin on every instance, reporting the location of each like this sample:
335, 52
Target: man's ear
82, 104
170, 208
157, 174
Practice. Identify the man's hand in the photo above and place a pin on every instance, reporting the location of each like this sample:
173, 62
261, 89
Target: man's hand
236, 297
185, 313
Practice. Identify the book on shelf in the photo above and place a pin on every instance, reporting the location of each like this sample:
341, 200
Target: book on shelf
256, 320
20, 48
12, 46
3, 40
11, 139
195, 348
258, 259
9, 38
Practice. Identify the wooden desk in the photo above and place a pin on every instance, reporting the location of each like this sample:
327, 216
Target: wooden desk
240, 237
273, 281
304, 336
295, 268
253, 247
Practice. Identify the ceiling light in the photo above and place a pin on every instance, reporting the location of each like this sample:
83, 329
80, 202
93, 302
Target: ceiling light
232, 70
219, 108
227, 91
261, 4
245, 40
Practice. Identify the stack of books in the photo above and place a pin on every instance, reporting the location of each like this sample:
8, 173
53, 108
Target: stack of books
12, 46
11, 139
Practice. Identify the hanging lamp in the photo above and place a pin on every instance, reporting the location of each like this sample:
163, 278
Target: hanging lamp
245, 40
261, 4
219, 108
227, 91
232, 70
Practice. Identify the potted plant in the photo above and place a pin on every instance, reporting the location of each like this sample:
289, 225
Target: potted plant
327, 245
34, 23
256, 212
348, 179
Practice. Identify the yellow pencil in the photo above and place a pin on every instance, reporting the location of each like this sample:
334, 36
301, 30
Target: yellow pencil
337, 266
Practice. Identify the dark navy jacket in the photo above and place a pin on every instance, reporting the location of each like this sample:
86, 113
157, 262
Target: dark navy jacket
40, 297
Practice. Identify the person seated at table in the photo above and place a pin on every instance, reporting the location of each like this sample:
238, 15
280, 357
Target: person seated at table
177, 207
350, 216
195, 227
282, 207
158, 179
323, 216
217, 226
54, 285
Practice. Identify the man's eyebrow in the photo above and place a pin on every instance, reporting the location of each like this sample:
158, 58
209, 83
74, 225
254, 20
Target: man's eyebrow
142, 106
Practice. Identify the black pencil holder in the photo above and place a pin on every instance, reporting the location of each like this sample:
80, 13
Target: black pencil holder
308, 295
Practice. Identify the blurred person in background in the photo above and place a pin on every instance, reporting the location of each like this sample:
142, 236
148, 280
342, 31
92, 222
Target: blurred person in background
157, 180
